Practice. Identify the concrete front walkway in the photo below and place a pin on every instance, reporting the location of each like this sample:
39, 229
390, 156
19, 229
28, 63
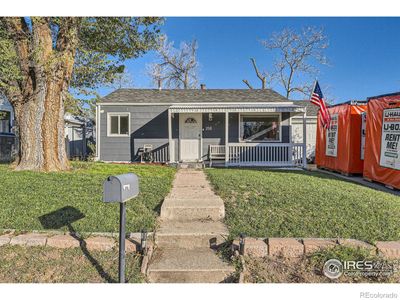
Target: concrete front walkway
189, 231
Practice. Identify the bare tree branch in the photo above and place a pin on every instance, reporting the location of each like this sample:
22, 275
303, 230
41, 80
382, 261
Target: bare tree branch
297, 54
247, 83
262, 78
177, 68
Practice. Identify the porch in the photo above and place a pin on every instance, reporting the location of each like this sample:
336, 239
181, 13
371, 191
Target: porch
237, 134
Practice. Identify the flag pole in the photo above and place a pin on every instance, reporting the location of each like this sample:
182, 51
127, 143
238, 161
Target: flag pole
312, 91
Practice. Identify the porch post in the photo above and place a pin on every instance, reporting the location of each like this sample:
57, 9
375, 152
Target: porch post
226, 138
305, 138
171, 153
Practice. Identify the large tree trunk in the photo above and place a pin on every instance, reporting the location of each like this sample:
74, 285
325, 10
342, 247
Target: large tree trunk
39, 103
41, 130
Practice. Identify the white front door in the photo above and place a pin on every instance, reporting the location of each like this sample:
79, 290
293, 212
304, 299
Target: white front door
190, 130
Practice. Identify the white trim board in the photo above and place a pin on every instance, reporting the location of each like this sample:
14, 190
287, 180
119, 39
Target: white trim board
98, 108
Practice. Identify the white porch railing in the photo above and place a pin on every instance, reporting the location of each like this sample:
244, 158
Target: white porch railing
260, 154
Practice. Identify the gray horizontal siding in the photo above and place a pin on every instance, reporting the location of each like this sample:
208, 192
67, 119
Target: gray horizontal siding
149, 125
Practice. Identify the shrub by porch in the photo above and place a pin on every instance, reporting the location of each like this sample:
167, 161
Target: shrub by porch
284, 203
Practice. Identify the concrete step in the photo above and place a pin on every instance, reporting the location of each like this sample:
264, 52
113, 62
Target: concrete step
190, 182
191, 234
191, 165
193, 209
188, 266
191, 193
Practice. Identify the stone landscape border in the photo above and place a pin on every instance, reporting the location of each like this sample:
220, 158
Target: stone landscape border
298, 247
256, 247
96, 241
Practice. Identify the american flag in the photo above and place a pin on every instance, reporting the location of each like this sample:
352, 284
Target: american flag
317, 98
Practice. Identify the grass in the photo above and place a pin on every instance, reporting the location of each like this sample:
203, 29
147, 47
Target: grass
277, 203
38, 201
49, 265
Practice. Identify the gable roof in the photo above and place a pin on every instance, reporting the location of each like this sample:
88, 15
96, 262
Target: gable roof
192, 96
149, 96
312, 110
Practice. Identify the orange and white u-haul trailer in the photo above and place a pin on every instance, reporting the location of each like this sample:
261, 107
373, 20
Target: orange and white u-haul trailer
382, 147
340, 148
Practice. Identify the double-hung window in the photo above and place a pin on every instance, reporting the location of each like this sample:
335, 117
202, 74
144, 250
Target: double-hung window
260, 128
118, 124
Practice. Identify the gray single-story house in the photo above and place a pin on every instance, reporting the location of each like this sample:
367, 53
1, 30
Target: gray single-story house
235, 126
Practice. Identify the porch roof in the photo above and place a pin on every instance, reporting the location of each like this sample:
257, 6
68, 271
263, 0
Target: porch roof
236, 107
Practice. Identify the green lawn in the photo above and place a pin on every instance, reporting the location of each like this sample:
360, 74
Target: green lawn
36, 201
277, 203
50, 265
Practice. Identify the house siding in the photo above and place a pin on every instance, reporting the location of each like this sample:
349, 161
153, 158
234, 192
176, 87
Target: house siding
213, 131
285, 122
297, 133
149, 125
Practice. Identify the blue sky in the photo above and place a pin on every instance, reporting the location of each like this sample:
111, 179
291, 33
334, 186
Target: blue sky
364, 52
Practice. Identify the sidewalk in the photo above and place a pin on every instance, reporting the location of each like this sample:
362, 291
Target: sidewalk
191, 228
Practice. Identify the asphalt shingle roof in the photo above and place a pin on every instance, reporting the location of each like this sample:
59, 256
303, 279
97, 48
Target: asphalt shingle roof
312, 109
201, 96
192, 96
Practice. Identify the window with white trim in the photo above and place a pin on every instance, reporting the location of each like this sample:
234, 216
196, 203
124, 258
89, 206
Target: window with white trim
118, 124
260, 128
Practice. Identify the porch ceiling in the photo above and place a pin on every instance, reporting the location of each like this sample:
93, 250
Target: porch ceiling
236, 107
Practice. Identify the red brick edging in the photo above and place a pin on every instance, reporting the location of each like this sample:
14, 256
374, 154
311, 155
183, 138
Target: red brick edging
294, 248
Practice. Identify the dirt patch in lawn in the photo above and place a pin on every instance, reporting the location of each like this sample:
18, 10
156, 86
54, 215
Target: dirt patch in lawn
309, 269
268, 270
49, 265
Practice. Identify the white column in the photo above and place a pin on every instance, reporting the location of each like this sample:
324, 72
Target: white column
305, 138
98, 132
171, 151
291, 156
226, 138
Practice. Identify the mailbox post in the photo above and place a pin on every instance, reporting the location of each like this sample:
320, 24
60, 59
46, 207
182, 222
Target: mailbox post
120, 189
122, 235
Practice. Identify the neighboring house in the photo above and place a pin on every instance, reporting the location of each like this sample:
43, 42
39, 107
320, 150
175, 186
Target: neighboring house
7, 130
79, 132
239, 127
